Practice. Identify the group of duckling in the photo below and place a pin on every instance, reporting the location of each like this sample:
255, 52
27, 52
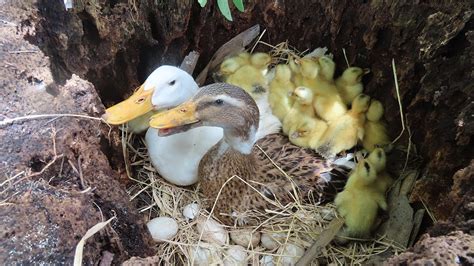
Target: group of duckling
209, 134
318, 112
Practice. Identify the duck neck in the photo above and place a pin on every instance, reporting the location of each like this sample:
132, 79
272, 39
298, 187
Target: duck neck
241, 139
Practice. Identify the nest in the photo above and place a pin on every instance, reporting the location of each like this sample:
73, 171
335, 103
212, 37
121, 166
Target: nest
301, 223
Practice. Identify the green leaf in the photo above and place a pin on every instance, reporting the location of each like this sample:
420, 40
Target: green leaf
202, 3
224, 8
239, 4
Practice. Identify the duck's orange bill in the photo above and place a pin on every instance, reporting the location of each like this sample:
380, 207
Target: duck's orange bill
183, 114
136, 105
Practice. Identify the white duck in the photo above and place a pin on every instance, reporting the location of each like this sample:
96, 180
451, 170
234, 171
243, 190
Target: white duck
175, 157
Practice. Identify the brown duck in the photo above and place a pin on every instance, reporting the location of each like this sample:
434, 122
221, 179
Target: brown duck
236, 155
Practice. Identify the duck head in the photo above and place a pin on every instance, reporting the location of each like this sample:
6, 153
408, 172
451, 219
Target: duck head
166, 87
220, 105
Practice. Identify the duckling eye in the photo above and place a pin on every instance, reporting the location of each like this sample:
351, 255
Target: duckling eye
171, 83
367, 167
219, 101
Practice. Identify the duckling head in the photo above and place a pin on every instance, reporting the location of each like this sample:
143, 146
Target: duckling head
328, 67
365, 172
375, 111
360, 103
309, 68
165, 87
303, 95
283, 73
378, 159
260, 60
353, 75
220, 105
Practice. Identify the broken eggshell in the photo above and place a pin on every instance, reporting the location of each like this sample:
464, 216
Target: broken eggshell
212, 231
191, 210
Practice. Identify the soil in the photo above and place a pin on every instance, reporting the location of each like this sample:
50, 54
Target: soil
58, 61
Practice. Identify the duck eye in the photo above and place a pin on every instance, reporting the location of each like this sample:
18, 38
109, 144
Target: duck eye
219, 101
171, 83
140, 100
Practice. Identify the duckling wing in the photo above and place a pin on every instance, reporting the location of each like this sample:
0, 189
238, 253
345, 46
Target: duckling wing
284, 168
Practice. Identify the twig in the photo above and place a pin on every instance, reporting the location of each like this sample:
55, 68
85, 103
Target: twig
345, 57
323, 240
402, 118
8, 121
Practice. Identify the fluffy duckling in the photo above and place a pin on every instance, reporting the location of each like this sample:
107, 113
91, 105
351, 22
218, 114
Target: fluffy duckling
281, 88
251, 76
231, 64
327, 103
378, 159
375, 131
349, 84
327, 68
359, 202
232, 109
344, 133
308, 133
261, 61
302, 108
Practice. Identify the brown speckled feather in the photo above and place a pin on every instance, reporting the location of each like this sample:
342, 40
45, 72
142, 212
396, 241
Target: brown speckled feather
306, 168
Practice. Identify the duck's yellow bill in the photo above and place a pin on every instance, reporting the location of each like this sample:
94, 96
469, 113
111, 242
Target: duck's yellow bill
136, 105
183, 114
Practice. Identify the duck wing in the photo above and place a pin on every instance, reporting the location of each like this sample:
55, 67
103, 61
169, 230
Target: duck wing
284, 167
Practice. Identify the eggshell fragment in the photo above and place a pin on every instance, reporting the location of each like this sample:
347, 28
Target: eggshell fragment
162, 228
191, 210
206, 256
212, 231
243, 237
235, 255
291, 253
267, 260
272, 240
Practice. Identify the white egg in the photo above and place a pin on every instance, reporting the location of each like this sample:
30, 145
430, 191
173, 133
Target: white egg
272, 240
191, 210
235, 255
162, 228
291, 253
267, 260
206, 255
243, 237
212, 231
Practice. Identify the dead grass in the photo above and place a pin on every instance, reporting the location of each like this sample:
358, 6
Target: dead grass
302, 223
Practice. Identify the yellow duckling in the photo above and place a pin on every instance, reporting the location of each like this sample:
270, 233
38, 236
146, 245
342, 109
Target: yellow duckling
344, 133
375, 131
349, 84
251, 76
378, 159
296, 76
308, 133
359, 202
327, 68
301, 108
327, 102
230, 65
281, 88
261, 61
